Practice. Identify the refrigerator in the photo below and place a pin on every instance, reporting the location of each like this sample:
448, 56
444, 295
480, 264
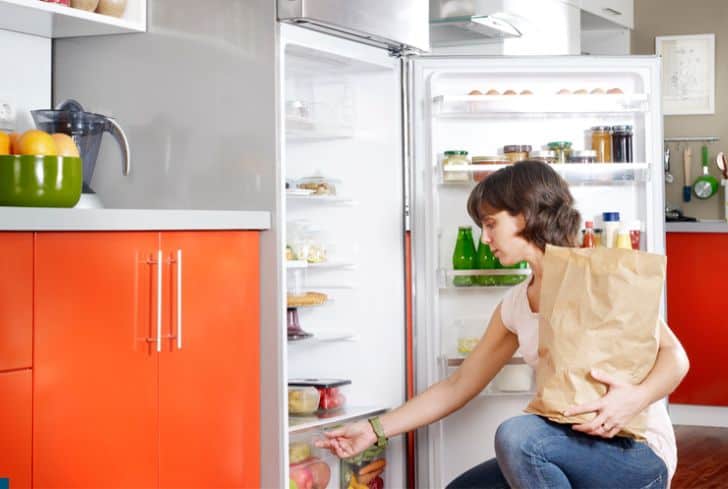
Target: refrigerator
376, 127
224, 105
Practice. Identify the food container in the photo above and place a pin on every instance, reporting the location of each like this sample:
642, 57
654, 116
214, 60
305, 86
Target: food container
331, 392
306, 242
40, 181
318, 184
455, 157
302, 401
366, 469
469, 332
310, 467
62, 2
561, 149
514, 378
311, 473
583, 156
88, 5
479, 176
114, 8
622, 144
516, 152
544, 156
602, 143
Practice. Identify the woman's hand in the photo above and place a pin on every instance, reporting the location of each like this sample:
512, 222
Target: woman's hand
349, 440
622, 402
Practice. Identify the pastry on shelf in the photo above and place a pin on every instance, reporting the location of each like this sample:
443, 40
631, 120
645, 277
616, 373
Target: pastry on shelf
307, 299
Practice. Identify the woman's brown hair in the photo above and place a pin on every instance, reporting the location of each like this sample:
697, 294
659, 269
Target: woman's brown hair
535, 190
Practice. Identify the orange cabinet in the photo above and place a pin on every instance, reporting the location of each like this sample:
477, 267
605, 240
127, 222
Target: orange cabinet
16, 427
16, 300
146, 359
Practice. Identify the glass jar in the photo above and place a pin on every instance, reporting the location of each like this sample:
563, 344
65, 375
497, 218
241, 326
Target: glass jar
583, 156
455, 157
622, 144
516, 152
561, 149
602, 143
487, 160
546, 156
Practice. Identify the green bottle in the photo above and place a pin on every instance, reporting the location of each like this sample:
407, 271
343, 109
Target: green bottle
514, 279
463, 258
484, 260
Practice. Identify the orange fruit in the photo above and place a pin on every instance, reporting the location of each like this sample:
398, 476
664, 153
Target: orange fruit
4, 143
14, 136
35, 142
65, 144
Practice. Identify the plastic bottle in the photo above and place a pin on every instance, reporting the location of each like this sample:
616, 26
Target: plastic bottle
463, 257
611, 226
623, 240
588, 241
484, 260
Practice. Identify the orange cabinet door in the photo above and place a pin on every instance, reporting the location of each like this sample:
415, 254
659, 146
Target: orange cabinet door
209, 397
95, 388
15, 427
16, 300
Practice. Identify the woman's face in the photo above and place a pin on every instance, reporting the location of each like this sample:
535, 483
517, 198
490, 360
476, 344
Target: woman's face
500, 231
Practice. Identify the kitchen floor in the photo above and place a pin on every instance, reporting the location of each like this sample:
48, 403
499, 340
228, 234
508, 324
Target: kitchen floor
702, 458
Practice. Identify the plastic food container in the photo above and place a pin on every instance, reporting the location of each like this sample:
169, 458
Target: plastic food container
479, 176
469, 332
331, 392
561, 149
455, 157
514, 378
583, 156
318, 184
365, 469
312, 473
516, 152
546, 156
302, 401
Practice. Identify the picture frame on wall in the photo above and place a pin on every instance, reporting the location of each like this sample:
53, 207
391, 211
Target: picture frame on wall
688, 73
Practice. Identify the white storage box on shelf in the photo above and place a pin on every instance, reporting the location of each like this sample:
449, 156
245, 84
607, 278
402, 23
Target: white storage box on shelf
54, 20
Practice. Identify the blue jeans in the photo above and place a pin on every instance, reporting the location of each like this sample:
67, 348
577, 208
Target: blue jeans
535, 453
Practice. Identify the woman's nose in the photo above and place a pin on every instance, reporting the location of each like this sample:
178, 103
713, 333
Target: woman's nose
484, 237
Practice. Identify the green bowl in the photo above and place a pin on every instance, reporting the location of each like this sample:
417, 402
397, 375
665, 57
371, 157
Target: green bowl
40, 181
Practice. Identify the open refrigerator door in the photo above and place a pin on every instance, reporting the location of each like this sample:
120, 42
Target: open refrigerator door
343, 215
472, 115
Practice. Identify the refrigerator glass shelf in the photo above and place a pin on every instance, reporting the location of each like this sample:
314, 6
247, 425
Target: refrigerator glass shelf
447, 278
457, 361
298, 424
325, 336
573, 173
320, 199
327, 265
455, 106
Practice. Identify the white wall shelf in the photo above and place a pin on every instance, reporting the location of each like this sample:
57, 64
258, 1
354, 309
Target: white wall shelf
58, 21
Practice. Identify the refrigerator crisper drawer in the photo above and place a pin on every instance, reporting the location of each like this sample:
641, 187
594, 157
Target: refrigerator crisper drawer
365, 471
311, 467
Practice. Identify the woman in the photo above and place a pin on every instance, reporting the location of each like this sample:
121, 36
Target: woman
521, 209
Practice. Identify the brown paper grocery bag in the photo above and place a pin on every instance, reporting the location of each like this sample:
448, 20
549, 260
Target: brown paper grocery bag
599, 309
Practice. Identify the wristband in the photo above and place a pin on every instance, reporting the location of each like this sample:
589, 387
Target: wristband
379, 431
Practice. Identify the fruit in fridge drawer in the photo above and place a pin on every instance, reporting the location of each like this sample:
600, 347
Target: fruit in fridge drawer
292, 484
301, 476
377, 483
298, 452
321, 474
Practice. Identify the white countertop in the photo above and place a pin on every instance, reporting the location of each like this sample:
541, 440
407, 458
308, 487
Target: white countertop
707, 226
52, 219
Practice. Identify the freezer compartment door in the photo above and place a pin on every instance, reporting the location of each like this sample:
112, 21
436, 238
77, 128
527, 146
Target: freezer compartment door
393, 24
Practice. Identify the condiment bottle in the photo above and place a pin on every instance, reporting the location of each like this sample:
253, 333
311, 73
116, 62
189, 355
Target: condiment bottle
588, 241
622, 144
463, 257
611, 226
634, 234
623, 241
598, 241
602, 143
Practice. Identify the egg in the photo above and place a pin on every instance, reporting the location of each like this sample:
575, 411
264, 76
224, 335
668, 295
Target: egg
510, 92
475, 92
614, 91
581, 91
526, 92
564, 91
597, 91
492, 91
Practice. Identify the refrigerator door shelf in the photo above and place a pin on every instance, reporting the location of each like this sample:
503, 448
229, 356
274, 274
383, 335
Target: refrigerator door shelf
468, 106
299, 424
327, 265
516, 378
447, 278
573, 173
319, 199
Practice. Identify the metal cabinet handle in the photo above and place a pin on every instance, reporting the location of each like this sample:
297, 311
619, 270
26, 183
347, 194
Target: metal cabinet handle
611, 11
179, 299
159, 300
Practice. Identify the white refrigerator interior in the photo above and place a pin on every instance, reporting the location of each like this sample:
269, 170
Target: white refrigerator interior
446, 118
340, 111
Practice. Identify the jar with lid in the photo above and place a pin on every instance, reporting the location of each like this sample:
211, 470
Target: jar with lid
487, 160
611, 227
516, 152
602, 143
622, 144
583, 156
546, 156
452, 158
561, 149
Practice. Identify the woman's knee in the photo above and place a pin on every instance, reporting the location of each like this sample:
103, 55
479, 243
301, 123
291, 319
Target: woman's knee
515, 435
